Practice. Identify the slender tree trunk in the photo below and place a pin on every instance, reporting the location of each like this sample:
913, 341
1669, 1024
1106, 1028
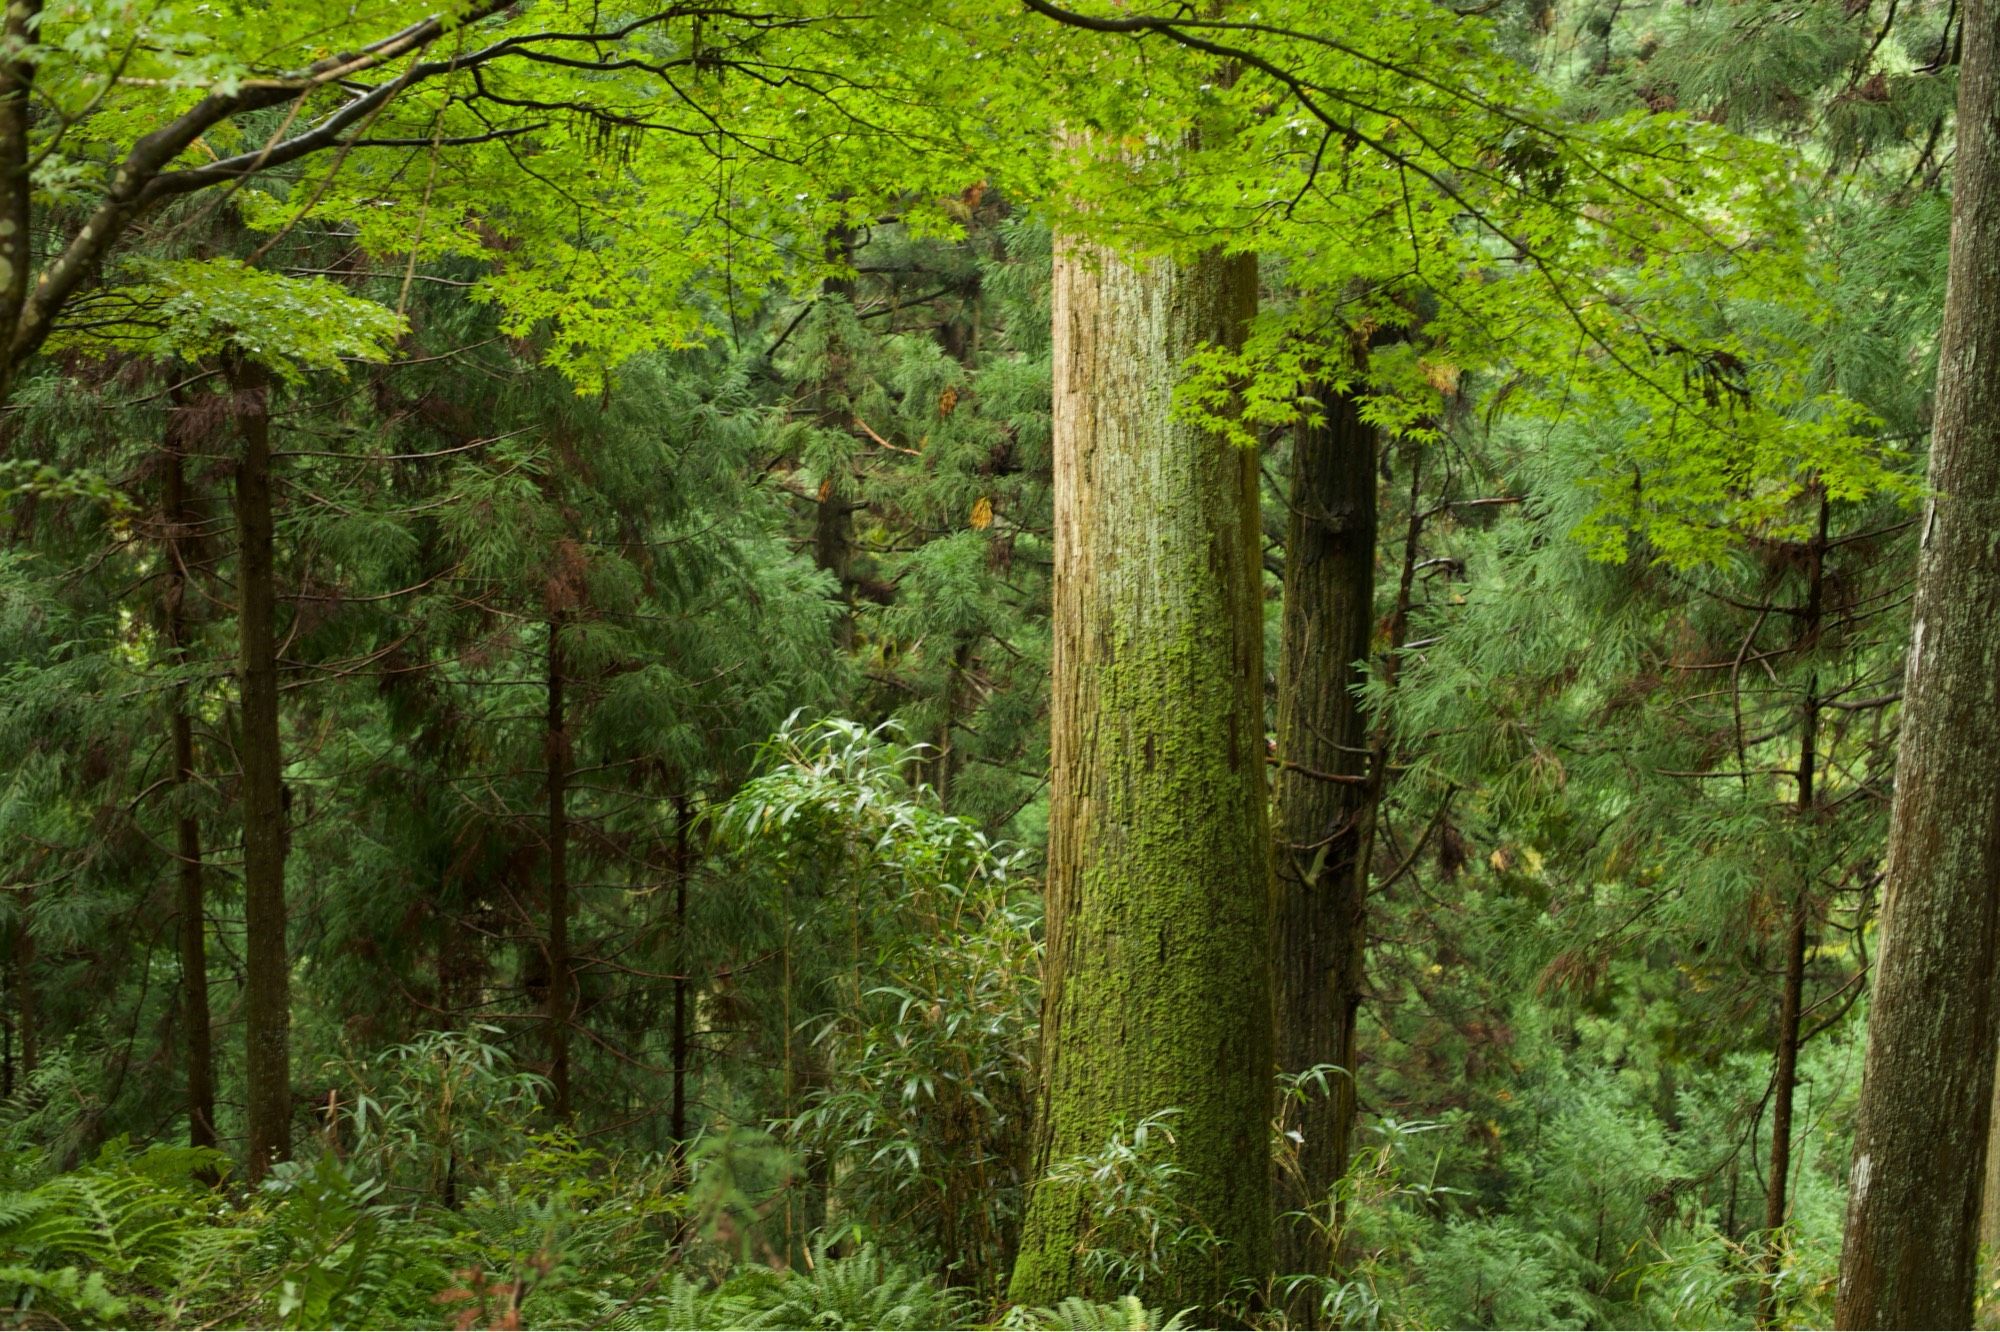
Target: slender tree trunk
833, 520
191, 909
267, 973
26, 1026
1785, 1078
562, 982
683, 870
1318, 934
1911, 1248
1156, 981
944, 765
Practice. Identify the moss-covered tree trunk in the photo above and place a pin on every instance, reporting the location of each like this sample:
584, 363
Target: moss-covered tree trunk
267, 1012
1157, 973
1911, 1247
1318, 935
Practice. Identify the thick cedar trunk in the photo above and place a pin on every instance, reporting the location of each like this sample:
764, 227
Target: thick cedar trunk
1156, 982
267, 976
1910, 1253
562, 981
1785, 1078
191, 912
1318, 937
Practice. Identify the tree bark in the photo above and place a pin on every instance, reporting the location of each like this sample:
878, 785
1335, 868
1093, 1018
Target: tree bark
1989, 1207
683, 1014
1156, 984
1911, 1249
833, 515
27, 1026
267, 973
191, 910
562, 983
1318, 935
20, 31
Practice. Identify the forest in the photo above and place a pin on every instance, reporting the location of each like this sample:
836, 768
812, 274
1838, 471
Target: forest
1007, 664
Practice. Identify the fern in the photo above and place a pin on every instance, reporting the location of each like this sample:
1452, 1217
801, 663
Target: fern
1124, 1314
863, 1290
684, 1305
127, 1219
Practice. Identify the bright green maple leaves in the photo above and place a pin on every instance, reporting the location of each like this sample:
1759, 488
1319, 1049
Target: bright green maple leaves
193, 309
648, 186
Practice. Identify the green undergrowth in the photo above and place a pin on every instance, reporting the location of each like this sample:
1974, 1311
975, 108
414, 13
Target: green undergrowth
557, 1238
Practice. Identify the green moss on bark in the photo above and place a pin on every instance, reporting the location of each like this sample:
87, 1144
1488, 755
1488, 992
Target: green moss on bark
1159, 879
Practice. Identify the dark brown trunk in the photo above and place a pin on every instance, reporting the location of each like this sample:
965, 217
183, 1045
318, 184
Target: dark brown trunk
20, 31
1318, 939
267, 975
833, 522
26, 1030
945, 766
1352, 982
562, 981
1785, 1077
683, 870
191, 910
1911, 1246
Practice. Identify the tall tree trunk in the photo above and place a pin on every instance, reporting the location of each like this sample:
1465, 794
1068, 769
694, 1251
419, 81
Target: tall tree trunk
683, 870
1785, 1078
1910, 1255
562, 982
191, 910
945, 762
833, 519
1157, 976
7, 1034
1318, 935
267, 973
26, 1026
